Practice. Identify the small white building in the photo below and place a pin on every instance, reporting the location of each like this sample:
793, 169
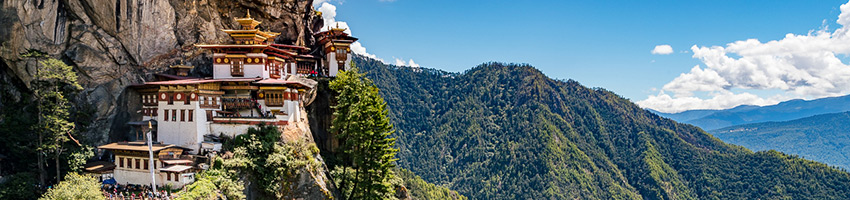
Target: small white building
132, 166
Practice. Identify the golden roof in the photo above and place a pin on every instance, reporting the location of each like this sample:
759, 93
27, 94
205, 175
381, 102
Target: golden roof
135, 146
248, 22
181, 67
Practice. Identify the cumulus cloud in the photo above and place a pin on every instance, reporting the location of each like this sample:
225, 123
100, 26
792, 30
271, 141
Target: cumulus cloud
802, 66
410, 63
358, 48
329, 17
719, 100
318, 3
662, 49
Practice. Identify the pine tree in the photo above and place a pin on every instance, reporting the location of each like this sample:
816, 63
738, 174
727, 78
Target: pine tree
53, 80
360, 120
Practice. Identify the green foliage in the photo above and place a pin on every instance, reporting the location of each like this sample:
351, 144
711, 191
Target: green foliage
19, 186
75, 186
823, 138
506, 131
360, 119
200, 189
272, 166
77, 159
420, 189
213, 183
40, 120
51, 84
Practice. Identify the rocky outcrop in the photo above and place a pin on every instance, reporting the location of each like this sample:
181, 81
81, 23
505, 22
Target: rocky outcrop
116, 43
313, 180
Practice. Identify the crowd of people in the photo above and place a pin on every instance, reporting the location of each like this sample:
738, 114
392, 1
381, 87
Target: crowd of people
134, 192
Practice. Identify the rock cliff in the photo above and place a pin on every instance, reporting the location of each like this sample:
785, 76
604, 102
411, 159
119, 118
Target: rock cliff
116, 43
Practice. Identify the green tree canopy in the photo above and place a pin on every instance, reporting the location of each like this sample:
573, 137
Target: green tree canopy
360, 119
75, 187
53, 82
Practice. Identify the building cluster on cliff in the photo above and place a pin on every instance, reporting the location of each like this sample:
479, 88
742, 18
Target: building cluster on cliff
255, 81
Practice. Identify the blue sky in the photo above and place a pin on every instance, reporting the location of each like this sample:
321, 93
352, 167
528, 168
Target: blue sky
608, 44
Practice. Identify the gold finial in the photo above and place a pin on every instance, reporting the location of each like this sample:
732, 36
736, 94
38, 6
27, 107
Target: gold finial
249, 14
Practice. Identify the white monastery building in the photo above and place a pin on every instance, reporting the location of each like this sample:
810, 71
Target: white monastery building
255, 81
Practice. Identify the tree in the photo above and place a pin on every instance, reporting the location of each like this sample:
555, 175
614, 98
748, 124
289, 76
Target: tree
52, 81
360, 119
271, 165
19, 186
75, 186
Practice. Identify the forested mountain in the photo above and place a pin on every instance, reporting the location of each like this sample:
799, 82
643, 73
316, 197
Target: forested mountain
824, 138
787, 110
506, 131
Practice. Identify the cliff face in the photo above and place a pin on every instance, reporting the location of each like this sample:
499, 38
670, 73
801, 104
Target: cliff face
116, 43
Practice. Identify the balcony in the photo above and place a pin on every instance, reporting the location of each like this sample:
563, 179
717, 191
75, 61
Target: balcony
233, 119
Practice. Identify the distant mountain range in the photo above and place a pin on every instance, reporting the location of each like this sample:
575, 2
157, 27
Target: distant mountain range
788, 110
824, 138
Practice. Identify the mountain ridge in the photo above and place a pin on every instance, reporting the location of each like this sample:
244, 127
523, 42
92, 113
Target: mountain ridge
824, 138
745, 114
506, 131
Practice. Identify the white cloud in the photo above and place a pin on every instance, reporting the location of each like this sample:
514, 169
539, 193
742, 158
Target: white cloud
400, 62
329, 17
662, 49
358, 48
412, 64
802, 66
719, 100
318, 3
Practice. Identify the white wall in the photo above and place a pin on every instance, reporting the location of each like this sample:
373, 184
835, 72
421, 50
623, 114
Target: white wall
255, 70
231, 130
181, 133
333, 68
249, 70
142, 176
293, 68
221, 71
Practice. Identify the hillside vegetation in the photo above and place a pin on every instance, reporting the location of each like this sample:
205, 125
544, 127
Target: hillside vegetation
506, 131
824, 138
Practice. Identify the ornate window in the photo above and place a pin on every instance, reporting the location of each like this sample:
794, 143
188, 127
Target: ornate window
274, 98
191, 115
236, 68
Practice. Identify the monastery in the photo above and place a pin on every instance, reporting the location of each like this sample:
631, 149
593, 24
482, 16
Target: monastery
255, 81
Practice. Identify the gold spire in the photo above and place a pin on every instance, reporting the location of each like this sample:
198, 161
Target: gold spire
337, 28
248, 23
